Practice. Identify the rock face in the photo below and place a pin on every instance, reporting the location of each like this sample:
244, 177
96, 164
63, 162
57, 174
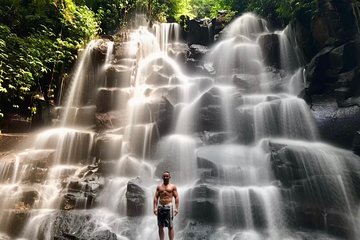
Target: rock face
311, 204
202, 204
269, 44
331, 49
338, 125
199, 32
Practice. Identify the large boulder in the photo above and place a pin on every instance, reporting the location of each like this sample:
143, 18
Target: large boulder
135, 199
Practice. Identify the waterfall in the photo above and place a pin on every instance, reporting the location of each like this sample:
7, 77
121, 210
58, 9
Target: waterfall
240, 145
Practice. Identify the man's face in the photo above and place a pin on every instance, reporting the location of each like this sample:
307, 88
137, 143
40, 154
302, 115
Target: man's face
166, 176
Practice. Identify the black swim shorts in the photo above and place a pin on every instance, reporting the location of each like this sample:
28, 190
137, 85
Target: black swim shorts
165, 215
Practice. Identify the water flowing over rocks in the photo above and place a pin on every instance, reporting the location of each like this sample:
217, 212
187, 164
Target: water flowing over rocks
329, 46
225, 120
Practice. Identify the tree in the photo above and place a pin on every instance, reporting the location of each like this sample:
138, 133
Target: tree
39, 42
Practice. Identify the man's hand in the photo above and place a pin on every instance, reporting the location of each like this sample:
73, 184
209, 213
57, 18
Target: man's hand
176, 212
155, 211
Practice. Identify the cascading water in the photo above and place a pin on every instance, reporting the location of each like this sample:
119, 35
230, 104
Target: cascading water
238, 142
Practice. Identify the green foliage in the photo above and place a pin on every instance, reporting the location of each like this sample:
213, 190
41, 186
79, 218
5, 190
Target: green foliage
210, 8
185, 8
114, 14
163, 9
280, 12
38, 42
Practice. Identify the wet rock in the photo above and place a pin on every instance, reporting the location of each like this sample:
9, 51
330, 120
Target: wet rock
198, 52
99, 51
14, 141
167, 165
108, 167
75, 225
338, 18
201, 204
17, 221
72, 146
311, 185
198, 32
210, 118
131, 166
78, 116
163, 113
80, 192
68, 202
111, 99
179, 51
244, 125
356, 143
210, 97
15, 123
317, 74
103, 235
246, 81
157, 79
270, 47
121, 50
208, 170
108, 147
118, 76
110, 120
210, 138
38, 175
336, 223
142, 139
195, 66
257, 209
336, 125
4, 237
39, 158
333, 69
135, 197
300, 35
196, 230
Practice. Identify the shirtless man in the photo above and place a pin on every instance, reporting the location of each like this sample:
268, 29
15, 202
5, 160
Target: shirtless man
163, 207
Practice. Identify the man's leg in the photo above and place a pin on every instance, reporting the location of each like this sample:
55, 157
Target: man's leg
171, 233
161, 232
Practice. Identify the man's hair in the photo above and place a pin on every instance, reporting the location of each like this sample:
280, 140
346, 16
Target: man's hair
166, 172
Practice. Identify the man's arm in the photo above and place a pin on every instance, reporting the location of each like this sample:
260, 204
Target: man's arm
156, 200
176, 196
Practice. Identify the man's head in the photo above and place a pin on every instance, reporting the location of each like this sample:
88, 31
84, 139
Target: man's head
166, 176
